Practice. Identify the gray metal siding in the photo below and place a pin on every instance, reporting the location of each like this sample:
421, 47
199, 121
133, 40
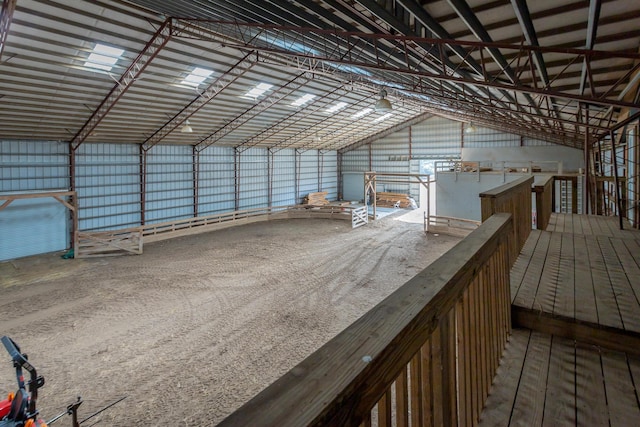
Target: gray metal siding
307, 173
329, 168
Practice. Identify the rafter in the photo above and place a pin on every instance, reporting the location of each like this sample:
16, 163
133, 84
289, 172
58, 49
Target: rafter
6, 15
217, 86
135, 69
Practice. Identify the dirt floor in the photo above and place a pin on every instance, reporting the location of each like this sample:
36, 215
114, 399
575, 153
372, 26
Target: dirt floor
198, 325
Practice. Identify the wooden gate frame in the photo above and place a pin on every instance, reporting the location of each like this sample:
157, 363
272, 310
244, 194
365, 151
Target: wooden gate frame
72, 205
371, 178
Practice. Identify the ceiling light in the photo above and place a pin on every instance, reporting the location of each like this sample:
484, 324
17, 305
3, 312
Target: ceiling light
103, 57
302, 100
338, 106
197, 76
383, 105
362, 113
186, 128
470, 129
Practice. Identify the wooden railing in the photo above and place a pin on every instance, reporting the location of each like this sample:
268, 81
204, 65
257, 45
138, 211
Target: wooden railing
514, 198
426, 354
544, 202
449, 225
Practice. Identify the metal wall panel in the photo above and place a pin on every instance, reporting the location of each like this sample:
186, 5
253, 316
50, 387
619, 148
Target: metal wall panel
216, 181
169, 186
253, 178
283, 179
40, 225
107, 178
436, 138
356, 160
530, 142
307, 167
489, 138
329, 175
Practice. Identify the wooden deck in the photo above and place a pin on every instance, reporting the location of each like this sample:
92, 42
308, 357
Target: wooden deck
575, 287
583, 271
544, 380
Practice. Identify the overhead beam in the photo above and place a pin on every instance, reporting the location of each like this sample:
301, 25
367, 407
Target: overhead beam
135, 69
6, 16
592, 30
276, 36
222, 82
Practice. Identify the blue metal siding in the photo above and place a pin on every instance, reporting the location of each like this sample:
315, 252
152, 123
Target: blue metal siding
253, 178
329, 168
307, 173
108, 186
283, 178
169, 183
216, 181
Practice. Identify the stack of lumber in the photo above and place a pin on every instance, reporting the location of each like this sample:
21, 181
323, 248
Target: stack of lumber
316, 198
390, 200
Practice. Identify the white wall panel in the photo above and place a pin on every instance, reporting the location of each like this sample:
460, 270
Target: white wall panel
329, 174
169, 184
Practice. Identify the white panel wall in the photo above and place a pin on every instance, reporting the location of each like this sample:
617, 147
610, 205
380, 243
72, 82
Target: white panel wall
571, 158
108, 185
169, 183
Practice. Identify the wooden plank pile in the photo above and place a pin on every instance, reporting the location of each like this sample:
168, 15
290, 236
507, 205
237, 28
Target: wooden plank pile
316, 198
391, 200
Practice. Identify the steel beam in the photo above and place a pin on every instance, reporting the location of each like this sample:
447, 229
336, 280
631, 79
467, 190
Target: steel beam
592, 29
350, 43
135, 69
218, 85
6, 15
283, 91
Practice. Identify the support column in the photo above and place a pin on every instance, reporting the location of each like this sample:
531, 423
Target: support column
196, 169
614, 158
143, 183
236, 178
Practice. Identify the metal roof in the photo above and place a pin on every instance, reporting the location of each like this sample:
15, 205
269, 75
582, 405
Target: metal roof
557, 70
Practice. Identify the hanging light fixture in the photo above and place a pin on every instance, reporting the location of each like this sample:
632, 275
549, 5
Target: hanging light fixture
383, 105
470, 129
186, 128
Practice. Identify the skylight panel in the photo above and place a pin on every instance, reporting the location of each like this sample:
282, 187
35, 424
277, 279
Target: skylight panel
302, 100
362, 113
197, 76
381, 118
103, 57
258, 90
338, 106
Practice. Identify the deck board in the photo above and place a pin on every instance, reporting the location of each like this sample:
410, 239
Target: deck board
552, 381
592, 277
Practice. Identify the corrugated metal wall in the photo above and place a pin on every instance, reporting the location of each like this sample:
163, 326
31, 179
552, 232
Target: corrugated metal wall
283, 177
33, 226
107, 180
329, 174
307, 166
253, 178
216, 181
169, 184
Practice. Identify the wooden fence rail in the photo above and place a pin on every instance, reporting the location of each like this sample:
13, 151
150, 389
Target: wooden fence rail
514, 198
426, 354
544, 202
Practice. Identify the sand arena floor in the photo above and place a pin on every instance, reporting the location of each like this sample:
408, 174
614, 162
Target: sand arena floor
198, 325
